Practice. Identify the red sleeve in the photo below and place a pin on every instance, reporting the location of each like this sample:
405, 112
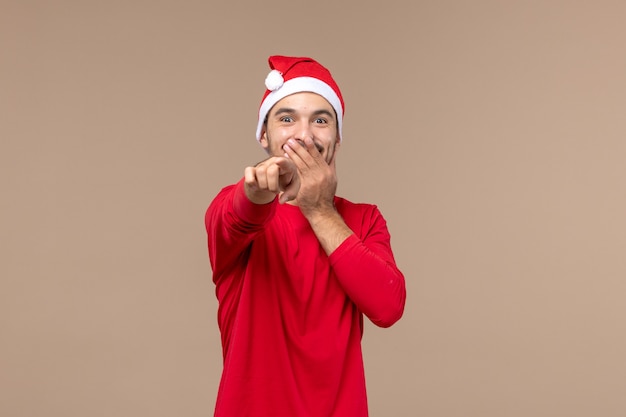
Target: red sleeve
232, 221
367, 271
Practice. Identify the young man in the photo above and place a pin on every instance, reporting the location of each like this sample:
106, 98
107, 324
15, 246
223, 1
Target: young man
296, 267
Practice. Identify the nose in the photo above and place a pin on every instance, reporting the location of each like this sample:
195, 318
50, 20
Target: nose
303, 130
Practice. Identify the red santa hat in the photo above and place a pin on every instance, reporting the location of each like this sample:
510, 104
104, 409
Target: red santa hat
290, 75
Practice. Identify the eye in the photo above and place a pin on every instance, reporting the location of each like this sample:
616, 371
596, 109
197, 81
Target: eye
321, 120
286, 119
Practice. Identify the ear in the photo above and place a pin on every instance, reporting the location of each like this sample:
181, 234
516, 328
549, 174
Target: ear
337, 146
263, 141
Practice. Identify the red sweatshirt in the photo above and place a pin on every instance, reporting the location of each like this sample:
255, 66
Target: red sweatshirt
291, 317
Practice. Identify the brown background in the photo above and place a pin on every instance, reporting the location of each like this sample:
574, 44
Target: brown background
490, 134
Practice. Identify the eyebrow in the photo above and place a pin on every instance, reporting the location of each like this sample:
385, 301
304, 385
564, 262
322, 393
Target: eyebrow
325, 112
284, 110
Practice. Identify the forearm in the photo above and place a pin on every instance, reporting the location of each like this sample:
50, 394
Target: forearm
371, 279
366, 271
231, 223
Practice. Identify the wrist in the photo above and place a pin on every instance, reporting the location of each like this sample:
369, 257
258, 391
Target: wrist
259, 196
320, 213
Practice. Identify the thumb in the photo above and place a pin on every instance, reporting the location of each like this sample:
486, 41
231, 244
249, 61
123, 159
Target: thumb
290, 192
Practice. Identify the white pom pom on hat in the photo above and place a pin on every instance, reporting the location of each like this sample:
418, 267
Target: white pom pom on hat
290, 75
274, 80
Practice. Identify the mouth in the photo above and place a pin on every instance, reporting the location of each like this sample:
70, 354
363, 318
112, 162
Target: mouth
319, 147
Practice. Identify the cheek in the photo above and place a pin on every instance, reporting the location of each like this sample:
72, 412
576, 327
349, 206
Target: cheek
277, 138
279, 134
327, 133
329, 141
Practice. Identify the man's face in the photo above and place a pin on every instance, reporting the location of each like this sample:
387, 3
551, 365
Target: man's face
298, 116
